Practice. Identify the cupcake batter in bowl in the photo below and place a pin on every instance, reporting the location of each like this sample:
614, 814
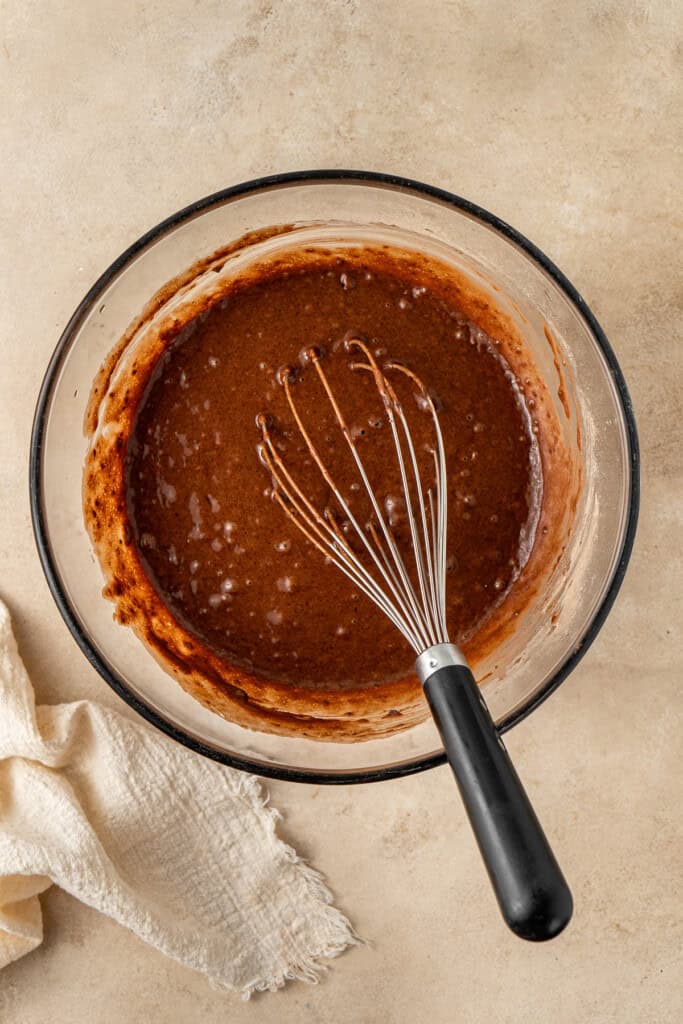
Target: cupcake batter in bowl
227, 594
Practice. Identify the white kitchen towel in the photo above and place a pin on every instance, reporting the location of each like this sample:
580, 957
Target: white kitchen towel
178, 849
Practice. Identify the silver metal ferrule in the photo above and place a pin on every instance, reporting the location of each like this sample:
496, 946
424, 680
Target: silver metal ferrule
437, 657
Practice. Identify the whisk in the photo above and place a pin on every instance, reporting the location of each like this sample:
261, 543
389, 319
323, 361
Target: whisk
408, 583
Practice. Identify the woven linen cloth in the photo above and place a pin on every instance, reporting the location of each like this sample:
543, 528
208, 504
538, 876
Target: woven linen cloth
180, 850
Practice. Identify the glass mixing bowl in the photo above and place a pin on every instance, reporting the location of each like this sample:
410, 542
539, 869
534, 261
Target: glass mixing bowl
343, 207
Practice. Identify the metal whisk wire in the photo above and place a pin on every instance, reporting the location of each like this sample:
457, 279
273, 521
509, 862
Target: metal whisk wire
419, 614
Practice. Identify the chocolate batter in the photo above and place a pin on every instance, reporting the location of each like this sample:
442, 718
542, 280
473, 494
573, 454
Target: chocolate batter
222, 556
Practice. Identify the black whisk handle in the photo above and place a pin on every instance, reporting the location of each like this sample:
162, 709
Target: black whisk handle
529, 885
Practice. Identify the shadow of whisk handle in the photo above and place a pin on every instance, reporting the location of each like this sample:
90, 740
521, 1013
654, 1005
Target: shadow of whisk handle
529, 885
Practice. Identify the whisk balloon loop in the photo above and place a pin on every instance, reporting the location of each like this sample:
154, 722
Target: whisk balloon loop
410, 589
420, 616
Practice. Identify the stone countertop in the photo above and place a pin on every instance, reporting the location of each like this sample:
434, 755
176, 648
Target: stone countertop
565, 121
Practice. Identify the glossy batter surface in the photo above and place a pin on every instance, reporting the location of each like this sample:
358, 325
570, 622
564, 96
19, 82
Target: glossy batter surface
222, 555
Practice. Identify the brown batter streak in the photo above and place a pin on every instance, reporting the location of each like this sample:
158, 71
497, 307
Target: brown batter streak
561, 390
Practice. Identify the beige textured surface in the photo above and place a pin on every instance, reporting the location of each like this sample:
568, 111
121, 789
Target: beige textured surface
564, 119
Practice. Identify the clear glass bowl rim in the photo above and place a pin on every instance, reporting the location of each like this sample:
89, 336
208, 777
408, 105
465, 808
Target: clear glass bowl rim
334, 176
